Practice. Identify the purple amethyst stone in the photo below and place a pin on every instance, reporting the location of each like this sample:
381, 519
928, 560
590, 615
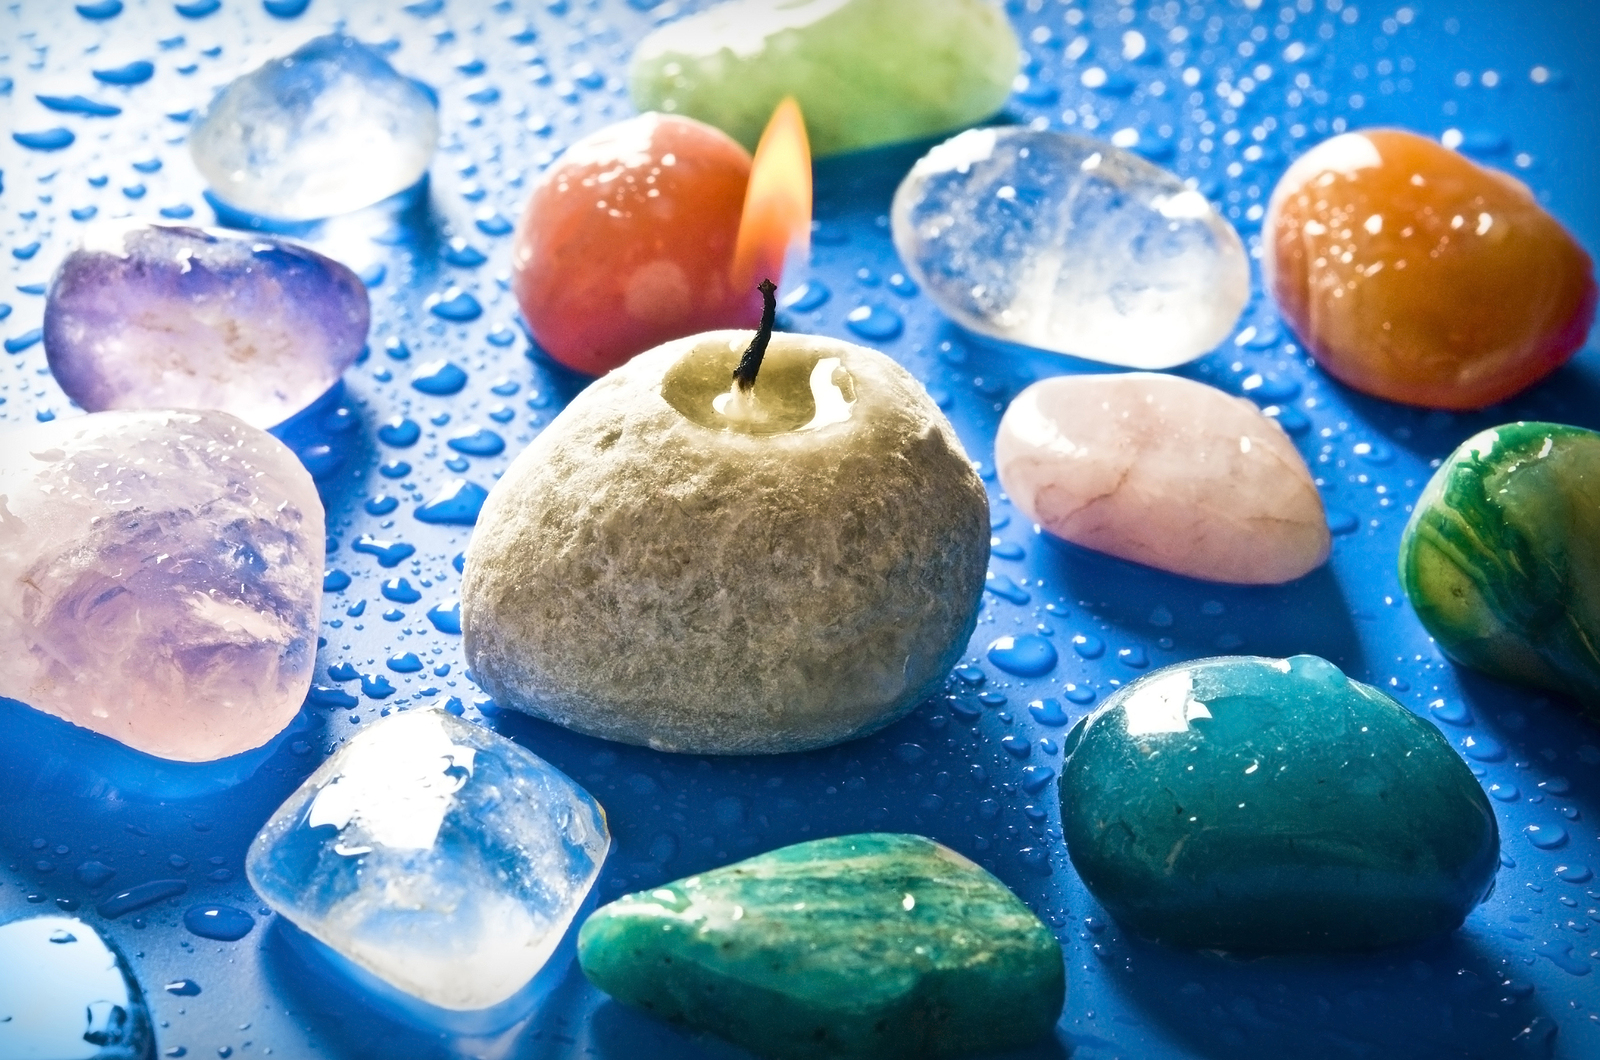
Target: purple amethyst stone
158, 316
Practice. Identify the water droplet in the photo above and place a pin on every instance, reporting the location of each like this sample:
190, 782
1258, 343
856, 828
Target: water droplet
1341, 521
382, 504
285, 8
45, 139
1546, 836
808, 296
387, 553
136, 898
1079, 695
460, 252
329, 696
1574, 873
439, 378
454, 305
494, 225
1134, 657
401, 591
1483, 748
1453, 713
101, 9
458, 504
222, 923
1005, 550
94, 874
446, 617
23, 341
1005, 588
376, 686
1016, 746
875, 323
477, 442
183, 987
79, 105
1029, 655
1047, 712
1504, 792
404, 663
1034, 778
1088, 646
134, 73
343, 672
199, 8
335, 581
1560, 955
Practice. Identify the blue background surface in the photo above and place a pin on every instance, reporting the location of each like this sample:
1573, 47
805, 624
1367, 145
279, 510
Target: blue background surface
1268, 80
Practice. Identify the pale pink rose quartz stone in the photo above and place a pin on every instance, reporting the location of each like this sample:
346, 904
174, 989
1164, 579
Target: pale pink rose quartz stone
1166, 472
160, 578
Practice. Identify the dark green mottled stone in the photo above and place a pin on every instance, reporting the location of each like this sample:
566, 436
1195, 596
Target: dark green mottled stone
1501, 558
863, 946
1273, 805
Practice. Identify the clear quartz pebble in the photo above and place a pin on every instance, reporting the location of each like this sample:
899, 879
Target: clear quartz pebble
160, 316
1071, 245
328, 129
160, 578
437, 855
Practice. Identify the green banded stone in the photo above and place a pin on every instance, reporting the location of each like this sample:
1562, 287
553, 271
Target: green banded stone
1271, 805
865, 72
864, 946
1501, 558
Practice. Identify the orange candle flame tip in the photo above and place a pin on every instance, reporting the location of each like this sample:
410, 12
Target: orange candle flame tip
777, 202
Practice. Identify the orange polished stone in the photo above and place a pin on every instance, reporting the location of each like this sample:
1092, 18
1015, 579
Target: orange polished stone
626, 242
1413, 274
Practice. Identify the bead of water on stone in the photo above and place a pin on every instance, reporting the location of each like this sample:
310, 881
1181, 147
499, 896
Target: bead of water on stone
1068, 244
328, 129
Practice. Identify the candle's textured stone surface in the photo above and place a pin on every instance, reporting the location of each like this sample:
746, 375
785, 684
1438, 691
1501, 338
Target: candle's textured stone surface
1501, 558
160, 578
327, 129
1072, 245
1273, 805
651, 575
867, 946
153, 316
66, 994
951, 64
1163, 471
435, 854
1414, 274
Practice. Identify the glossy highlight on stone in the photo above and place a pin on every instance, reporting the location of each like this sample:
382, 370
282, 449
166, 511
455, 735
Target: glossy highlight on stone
327, 129
1068, 244
1413, 274
1501, 557
873, 947
951, 64
162, 316
1163, 471
160, 578
1273, 805
437, 855
654, 571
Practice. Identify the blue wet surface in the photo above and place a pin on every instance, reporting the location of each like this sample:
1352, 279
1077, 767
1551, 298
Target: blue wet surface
1244, 87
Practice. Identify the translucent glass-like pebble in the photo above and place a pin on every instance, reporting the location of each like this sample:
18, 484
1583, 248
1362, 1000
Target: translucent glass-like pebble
1264, 805
1163, 471
951, 64
67, 994
437, 855
160, 578
160, 316
328, 129
1069, 244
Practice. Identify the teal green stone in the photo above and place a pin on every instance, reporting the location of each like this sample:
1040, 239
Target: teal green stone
864, 946
1501, 558
1273, 805
865, 72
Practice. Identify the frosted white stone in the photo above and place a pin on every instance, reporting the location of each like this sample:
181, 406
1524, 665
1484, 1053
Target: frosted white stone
1071, 245
160, 578
325, 130
441, 857
1163, 471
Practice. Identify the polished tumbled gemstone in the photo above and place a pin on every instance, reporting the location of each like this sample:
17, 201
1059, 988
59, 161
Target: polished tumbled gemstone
435, 854
950, 64
1273, 805
160, 578
1163, 471
156, 316
1416, 275
866, 946
327, 129
66, 994
1501, 558
1071, 245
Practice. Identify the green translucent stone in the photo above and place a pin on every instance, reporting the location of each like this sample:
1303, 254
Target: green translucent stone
865, 72
871, 945
1273, 805
1501, 558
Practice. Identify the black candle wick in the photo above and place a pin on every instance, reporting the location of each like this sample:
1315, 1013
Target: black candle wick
750, 363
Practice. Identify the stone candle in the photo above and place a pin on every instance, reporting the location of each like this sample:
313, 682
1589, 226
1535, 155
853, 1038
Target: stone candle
711, 568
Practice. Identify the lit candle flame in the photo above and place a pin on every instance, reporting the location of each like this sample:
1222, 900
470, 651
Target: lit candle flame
777, 201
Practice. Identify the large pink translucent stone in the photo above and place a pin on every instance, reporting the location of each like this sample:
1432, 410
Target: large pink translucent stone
1166, 472
160, 578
